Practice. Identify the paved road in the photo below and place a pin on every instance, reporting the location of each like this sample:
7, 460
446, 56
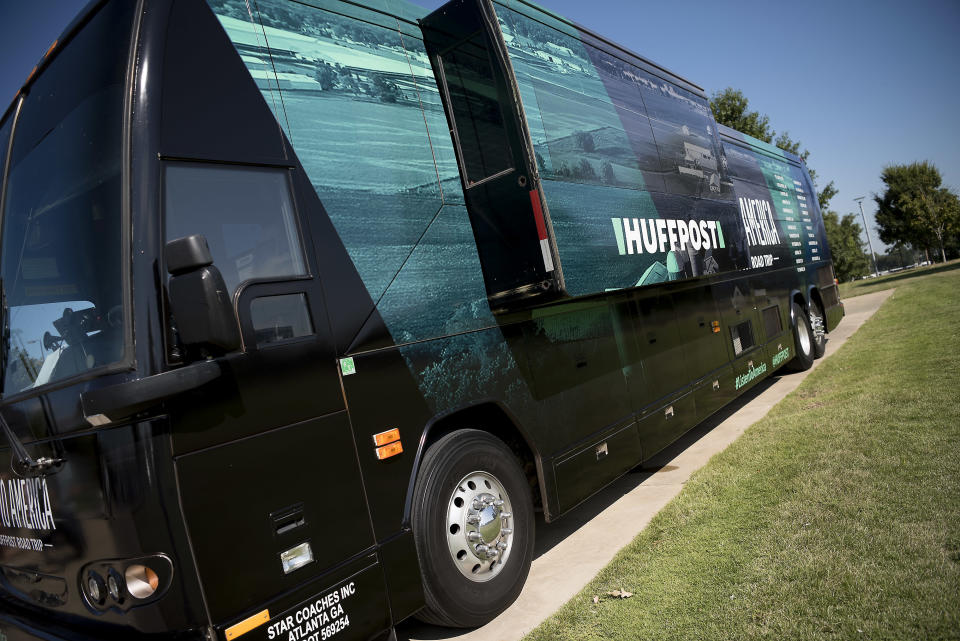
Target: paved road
571, 551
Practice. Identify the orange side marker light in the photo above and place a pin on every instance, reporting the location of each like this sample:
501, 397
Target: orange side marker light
387, 444
248, 624
387, 451
386, 437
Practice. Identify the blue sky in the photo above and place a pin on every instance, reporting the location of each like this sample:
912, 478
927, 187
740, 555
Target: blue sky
861, 83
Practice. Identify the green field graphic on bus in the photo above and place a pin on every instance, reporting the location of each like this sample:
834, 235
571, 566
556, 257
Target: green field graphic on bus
353, 83
611, 141
633, 174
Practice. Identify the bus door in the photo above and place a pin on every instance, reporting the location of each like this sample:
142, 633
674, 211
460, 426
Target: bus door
270, 486
79, 502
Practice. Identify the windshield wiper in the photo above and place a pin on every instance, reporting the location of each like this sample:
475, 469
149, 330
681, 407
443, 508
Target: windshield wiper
23, 463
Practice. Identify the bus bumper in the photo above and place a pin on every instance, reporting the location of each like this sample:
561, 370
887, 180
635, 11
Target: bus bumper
13, 628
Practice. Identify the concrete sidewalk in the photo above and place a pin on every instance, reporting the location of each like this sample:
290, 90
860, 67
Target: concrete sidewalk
570, 552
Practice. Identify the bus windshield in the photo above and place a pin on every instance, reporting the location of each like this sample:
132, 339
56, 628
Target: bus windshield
61, 265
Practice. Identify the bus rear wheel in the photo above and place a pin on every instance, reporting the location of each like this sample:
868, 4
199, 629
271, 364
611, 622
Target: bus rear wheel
473, 525
803, 340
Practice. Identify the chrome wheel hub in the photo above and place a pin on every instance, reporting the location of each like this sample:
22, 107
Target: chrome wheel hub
816, 324
479, 535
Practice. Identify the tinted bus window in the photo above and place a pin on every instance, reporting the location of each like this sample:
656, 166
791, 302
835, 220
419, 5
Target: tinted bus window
477, 118
742, 164
62, 220
245, 213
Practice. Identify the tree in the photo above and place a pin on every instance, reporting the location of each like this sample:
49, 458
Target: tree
915, 208
941, 214
325, 75
385, 90
843, 235
607, 174
585, 141
785, 142
952, 246
731, 108
825, 194
584, 170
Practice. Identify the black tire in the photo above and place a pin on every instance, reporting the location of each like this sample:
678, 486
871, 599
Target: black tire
818, 326
449, 466
803, 340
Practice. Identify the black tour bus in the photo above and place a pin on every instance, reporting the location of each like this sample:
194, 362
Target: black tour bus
312, 309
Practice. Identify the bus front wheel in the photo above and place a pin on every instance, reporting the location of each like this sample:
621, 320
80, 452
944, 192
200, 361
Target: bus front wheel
473, 525
803, 340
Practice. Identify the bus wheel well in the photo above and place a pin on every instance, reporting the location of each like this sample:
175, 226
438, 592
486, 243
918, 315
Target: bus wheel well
801, 301
815, 298
491, 418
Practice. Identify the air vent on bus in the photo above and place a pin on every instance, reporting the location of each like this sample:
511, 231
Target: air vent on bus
288, 519
742, 335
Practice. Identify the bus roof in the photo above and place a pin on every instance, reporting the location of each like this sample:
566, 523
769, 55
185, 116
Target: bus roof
399, 9
732, 135
549, 18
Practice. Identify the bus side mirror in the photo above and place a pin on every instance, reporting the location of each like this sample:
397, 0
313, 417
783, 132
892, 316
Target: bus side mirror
199, 298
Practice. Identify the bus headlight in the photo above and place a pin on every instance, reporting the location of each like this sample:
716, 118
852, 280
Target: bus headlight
142, 582
122, 584
95, 590
114, 586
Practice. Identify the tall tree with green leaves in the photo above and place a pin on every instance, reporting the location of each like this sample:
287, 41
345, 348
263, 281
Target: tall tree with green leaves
826, 194
850, 260
915, 208
731, 108
843, 236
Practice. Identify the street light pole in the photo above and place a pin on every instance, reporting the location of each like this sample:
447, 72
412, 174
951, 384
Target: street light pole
859, 201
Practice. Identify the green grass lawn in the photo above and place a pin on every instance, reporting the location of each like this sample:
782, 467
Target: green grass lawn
835, 517
870, 285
